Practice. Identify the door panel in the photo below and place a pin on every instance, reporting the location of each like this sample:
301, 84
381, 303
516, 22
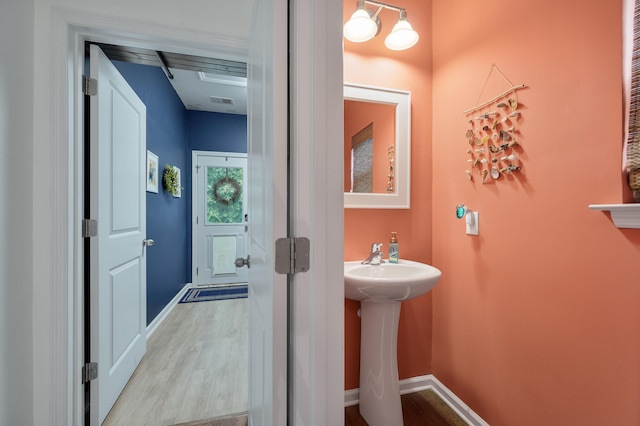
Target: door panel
220, 218
125, 299
268, 192
117, 256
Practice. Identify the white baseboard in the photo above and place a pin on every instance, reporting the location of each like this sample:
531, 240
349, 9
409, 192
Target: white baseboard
351, 397
164, 312
420, 383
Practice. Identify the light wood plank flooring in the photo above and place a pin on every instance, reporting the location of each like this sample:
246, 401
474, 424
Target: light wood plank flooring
195, 367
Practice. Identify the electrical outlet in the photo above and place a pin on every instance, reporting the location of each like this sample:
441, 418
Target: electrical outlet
472, 223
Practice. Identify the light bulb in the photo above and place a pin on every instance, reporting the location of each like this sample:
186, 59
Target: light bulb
402, 36
361, 27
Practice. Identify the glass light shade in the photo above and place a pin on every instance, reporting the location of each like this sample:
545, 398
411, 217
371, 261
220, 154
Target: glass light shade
402, 36
360, 27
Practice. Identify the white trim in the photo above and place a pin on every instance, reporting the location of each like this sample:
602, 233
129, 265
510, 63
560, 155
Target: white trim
164, 313
317, 211
416, 384
623, 215
455, 403
351, 397
401, 99
420, 383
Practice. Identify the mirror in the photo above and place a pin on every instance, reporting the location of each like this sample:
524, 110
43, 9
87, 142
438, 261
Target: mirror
377, 147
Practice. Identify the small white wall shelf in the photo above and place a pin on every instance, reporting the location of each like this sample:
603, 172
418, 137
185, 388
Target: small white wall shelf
623, 215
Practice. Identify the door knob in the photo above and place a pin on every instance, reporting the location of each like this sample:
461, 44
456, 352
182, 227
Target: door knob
148, 243
240, 262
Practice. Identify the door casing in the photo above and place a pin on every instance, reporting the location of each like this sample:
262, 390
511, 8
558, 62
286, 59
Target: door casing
58, 267
96, 32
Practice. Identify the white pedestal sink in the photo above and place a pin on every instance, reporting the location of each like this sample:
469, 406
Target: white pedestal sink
380, 290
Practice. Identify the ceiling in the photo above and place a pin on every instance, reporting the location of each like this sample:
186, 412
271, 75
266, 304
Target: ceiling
203, 84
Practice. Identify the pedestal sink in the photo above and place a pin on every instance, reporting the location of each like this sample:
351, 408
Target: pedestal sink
381, 290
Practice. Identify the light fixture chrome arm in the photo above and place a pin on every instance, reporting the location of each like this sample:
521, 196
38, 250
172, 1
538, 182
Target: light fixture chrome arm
365, 24
385, 5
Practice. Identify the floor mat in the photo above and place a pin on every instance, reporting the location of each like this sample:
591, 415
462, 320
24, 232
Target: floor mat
215, 293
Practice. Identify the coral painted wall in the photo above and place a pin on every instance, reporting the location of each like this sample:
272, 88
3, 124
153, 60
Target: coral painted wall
535, 321
373, 64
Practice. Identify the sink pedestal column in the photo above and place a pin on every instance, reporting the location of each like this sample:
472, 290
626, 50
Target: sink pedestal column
379, 385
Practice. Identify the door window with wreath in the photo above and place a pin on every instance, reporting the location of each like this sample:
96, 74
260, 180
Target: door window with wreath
224, 195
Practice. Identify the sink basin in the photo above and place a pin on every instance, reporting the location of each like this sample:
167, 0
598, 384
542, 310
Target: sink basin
389, 281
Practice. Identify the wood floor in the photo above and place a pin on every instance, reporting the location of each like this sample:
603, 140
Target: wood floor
418, 409
195, 368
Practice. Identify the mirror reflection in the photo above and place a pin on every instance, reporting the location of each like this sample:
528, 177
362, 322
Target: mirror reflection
376, 147
369, 145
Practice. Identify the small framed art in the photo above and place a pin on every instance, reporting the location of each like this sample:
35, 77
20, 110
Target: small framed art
152, 172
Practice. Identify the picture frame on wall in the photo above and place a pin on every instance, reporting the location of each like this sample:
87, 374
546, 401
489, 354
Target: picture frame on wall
178, 192
152, 172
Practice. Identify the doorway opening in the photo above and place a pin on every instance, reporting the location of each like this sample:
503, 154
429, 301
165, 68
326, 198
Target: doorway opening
220, 218
208, 63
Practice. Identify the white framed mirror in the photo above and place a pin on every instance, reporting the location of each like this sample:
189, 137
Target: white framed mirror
377, 147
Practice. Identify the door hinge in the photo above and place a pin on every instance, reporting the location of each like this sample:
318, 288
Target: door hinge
89, 228
292, 255
89, 86
89, 372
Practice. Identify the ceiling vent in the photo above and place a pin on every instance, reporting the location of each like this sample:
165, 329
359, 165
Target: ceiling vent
219, 100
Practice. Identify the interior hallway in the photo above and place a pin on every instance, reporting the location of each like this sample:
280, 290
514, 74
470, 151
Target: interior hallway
195, 367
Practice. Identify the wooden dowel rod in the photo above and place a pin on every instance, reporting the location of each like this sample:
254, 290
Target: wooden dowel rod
513, 89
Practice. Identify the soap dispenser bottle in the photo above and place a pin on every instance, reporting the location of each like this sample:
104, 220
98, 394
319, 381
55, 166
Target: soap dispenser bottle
393, 248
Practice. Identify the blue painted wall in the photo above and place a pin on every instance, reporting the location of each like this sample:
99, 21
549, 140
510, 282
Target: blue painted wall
172, 133
167, 260
210, 131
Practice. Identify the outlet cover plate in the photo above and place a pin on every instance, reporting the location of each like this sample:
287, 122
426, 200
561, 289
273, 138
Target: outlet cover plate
472, 223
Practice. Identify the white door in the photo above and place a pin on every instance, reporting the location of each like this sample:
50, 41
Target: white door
117, 254
219, 218
267, 96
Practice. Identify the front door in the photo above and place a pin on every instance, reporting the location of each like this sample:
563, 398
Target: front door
220, 218
268, 207
117, 255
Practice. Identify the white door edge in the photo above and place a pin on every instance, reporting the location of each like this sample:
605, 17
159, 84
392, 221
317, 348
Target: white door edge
317, 134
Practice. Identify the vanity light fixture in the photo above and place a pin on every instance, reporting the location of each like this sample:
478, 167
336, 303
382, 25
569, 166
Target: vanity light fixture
365, 24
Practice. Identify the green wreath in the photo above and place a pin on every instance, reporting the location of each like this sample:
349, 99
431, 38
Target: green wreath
226, 191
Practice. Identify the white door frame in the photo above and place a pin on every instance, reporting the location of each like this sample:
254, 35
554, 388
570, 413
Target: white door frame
317, 318
60, 356
57, 273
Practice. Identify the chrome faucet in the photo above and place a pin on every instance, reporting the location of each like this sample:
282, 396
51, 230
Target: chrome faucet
375, 257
